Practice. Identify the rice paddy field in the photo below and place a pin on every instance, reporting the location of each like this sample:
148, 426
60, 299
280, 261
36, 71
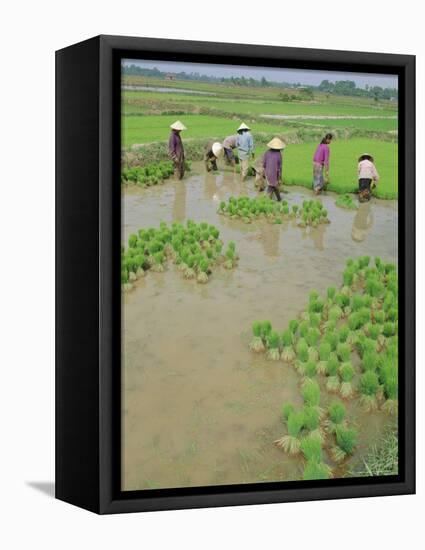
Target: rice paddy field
259, 338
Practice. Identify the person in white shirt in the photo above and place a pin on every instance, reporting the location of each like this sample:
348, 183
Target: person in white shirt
368, 175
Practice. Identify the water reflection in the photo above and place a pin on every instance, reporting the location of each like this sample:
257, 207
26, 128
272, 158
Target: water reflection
179, 202
270, 236
363, 222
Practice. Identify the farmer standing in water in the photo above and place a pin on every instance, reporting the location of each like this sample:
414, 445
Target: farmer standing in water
321, 165
272, 165
176, 150
245, 146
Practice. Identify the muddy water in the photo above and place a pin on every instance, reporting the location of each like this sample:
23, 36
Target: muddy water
198, 407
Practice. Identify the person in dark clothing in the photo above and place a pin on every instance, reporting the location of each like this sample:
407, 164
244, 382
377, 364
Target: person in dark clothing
272, 164
368, 176
213, 151
176, 149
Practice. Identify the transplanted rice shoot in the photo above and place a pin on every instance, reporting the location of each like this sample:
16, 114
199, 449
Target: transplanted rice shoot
316, 470
311, 448
257, 343
287, 409
332, 380
369, 384
290, 443
288, 352
346, 440
346, 372
311, 393
324, 354
273, 343
344, 352
336, 416
302, 350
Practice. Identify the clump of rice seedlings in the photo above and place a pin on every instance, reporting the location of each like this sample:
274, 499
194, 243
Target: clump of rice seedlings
203, 272
316, 470
336, 416
312, 422
291, 443
288, 352
158, 265
346, 201
343, 334
273, 343
332, 379
370, 361
346, 371
389, 329
287, 409
332, 338
293, 326
230, 261
391, 395
311, 448
304, 327
309, 371
302, 354
369, 384
257, 343
324, 354
346, 440
314, 319
132, 277
330, 293
343, 351
266, 328
312, 338
190, 271
310, 392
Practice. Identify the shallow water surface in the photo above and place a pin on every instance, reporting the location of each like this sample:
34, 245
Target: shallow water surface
198, 407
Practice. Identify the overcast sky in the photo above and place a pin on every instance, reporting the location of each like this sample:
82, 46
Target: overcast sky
277, 75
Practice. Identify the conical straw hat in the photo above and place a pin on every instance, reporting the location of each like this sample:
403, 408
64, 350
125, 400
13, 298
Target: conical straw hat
178, 125
217, 149
243, 126
276, 143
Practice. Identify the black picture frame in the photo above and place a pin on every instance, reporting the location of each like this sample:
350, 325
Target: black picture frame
88, 291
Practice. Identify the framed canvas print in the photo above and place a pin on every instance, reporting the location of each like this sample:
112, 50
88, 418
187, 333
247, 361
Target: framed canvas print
235, 274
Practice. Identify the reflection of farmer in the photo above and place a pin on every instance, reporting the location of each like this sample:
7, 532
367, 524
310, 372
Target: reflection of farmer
245, 145
175, 148
362, 223
272, 165
179, 204
321, 164
368, 175
229, 144
212, 152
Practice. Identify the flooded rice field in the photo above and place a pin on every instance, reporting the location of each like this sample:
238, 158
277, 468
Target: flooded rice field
199, 408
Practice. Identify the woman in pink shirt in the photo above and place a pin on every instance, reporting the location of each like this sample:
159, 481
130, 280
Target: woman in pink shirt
321, 164
368, 174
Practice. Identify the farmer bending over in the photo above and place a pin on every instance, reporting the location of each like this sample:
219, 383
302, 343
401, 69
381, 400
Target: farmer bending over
245, 145
272, 164
212, 152
368, 176
229, 144
176, 150
321, 164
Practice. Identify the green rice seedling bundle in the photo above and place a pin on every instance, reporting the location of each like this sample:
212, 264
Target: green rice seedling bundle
310, 392
311, 447
309, 371
287, 409
312, 422
346, 201
346, 371
316, 470
346, 442
325, 350
336, 416
302, 354
391, 394
266, 328
293, 326
145, 176
291, 442
257, 343
312, 338
273, 345
288, 352
369, 384
312, 214
343, 351
331, 337
332, 378
370, 361
194, 248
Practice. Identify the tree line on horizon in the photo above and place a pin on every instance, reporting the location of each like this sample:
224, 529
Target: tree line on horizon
340, 87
